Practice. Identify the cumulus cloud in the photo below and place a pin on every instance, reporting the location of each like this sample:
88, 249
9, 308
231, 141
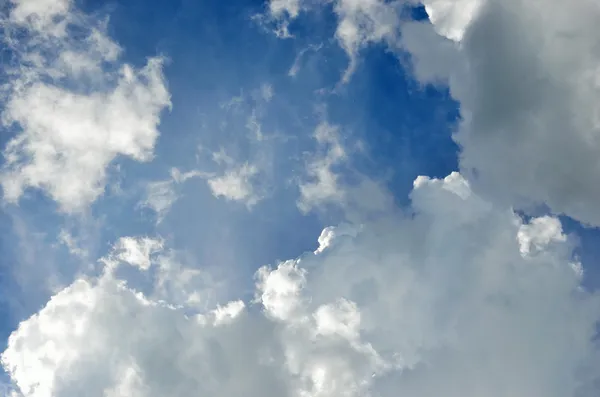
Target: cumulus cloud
441, 301
75, 106
525, 74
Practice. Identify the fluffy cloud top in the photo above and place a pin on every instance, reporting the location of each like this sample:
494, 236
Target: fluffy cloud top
75, 106
457, 296
443, 301
525, 73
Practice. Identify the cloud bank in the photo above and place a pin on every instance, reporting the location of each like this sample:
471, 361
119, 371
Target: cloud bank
461, 298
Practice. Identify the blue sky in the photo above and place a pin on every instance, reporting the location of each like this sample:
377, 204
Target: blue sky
174, 149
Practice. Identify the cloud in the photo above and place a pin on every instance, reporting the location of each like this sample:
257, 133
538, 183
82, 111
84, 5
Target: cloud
296, 66
236, 184
322, 186
161, 195
360, 23
525, 74
440, 301
330, 180
75, 106
279, 8
243, 160
451, 18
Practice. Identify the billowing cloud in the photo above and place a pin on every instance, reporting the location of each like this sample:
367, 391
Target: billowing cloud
74, 105
443, 301
525, 74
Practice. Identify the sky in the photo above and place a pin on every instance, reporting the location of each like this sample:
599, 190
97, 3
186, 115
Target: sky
300, 198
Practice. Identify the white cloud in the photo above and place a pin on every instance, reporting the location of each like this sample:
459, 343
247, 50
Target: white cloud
360, 23
236, 184
295, 68
452, 17
525, 74
365, 22
77, 108
280, 8
322, 186
539, 233
439, 302
161, 195
74, 247
136, 251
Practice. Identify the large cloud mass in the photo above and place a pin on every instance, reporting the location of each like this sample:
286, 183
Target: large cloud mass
525, 73
526, 76
459, 298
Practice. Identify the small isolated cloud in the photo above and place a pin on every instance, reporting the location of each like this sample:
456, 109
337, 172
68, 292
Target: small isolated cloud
281, 8
236, 184
322, 186
161, 195
538, 234
244, 159
441, 302
135, 251
74, 247
296, 66
75, 106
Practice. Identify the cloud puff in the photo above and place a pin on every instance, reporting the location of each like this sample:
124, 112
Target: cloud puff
75, 106
235, 184
441, 301
452, 17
